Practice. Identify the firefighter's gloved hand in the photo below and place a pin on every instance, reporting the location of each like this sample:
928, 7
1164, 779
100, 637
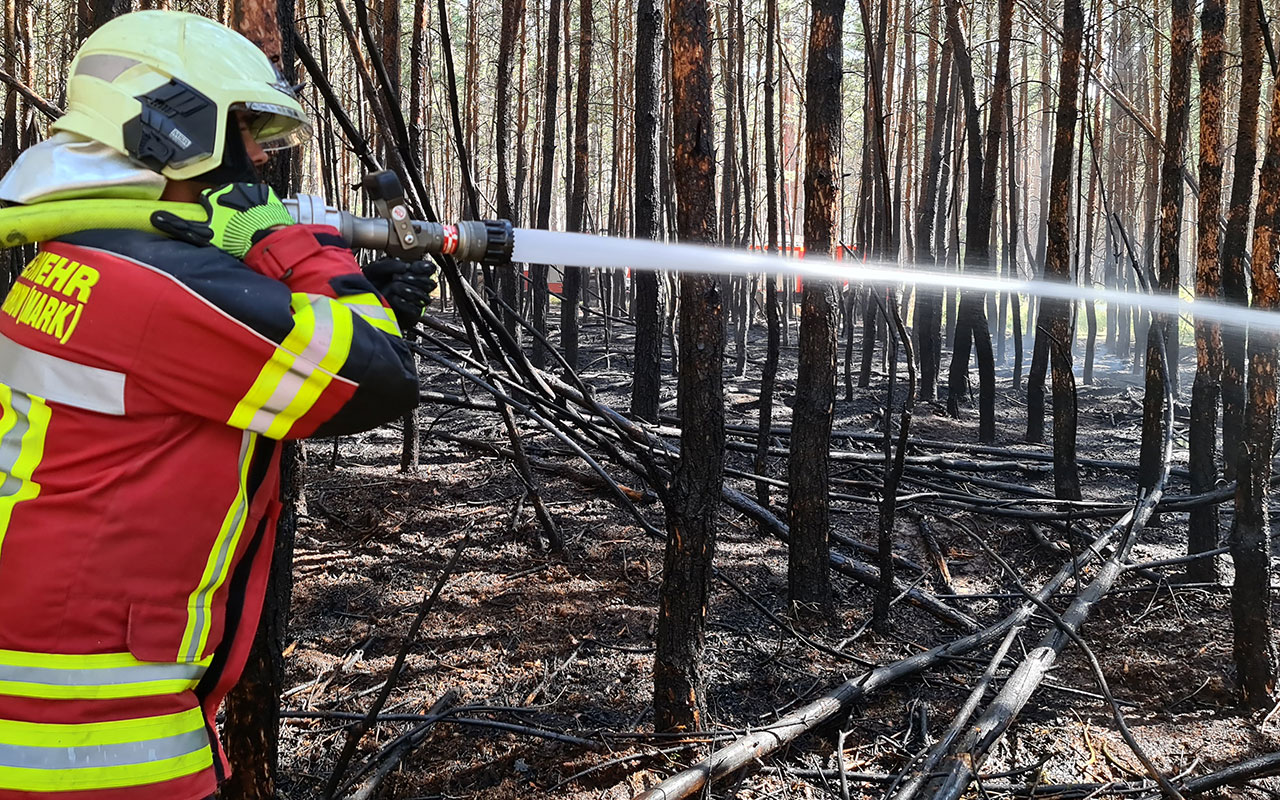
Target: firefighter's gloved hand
240, 215
407, 285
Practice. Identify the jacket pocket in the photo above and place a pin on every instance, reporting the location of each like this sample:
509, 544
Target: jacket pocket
156, 633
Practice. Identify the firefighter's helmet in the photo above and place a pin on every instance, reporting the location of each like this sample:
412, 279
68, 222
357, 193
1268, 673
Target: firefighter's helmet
163, 87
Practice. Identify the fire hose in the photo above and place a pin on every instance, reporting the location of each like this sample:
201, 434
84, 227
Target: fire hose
393, 231
488, 242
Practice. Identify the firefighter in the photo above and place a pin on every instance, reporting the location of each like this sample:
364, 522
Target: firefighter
146, 381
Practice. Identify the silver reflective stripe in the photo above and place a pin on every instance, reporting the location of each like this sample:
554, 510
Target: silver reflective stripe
59, 380
103, 755
11, 445
110, 676
370, 311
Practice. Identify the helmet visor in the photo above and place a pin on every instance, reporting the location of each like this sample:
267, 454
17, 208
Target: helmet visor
274, 127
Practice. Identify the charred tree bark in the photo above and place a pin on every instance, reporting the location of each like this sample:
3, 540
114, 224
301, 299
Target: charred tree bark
929, 300
540, 297
808, 573
578, 198
971, 325
773, 310
1202, 533
1236, 237
694, 496
1255, 653
508, 279
648, 209
1163, 331
1056, 318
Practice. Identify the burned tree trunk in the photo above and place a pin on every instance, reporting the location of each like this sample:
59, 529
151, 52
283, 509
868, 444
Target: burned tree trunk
1163, 331
772, 306
1202, 534
578, 197
508, 279
648, 209
694, 496
540, 299
808, 572
1056, 317
971, 325
929, 300
1236, 237
1255, 653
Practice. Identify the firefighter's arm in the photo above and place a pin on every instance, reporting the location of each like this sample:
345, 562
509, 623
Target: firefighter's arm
313, 260
289, 344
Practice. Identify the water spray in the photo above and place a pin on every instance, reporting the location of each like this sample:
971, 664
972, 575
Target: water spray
498, 243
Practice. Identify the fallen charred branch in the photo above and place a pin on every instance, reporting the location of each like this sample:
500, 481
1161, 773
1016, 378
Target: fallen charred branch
971, 751
643, 443
750, 749
366, 721
784, 432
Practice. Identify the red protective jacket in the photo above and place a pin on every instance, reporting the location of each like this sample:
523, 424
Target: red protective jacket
143, 385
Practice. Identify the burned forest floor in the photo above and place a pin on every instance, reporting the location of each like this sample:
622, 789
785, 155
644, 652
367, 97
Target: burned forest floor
537, 667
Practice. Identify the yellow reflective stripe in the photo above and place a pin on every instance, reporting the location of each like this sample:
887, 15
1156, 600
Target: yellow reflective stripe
200, 604
289, 383
343, 329
120, 731
104, 692
88, 778
99, 676
387, 326
24, 423
281, 361
38, 757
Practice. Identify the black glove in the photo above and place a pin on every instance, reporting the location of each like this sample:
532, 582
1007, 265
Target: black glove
407, 285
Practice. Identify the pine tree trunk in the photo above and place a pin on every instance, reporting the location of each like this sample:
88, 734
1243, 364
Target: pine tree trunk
508, 288
538, 273
1202, 533
1056, 317
1255, 652
1236, 237
971, 321
1163, 329
808, 567
693, 507
772, 310
578, 198
648, 209
929, 300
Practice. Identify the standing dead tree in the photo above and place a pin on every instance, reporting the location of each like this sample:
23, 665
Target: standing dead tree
578, 195
694, 496
1056, 318
1202, 534
1236, 237
648, 209
928, 322
808, 578
1162, 332
971, 326
540, 298
1255, 652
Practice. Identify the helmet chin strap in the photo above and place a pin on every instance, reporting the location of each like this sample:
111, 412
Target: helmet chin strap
236, 166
